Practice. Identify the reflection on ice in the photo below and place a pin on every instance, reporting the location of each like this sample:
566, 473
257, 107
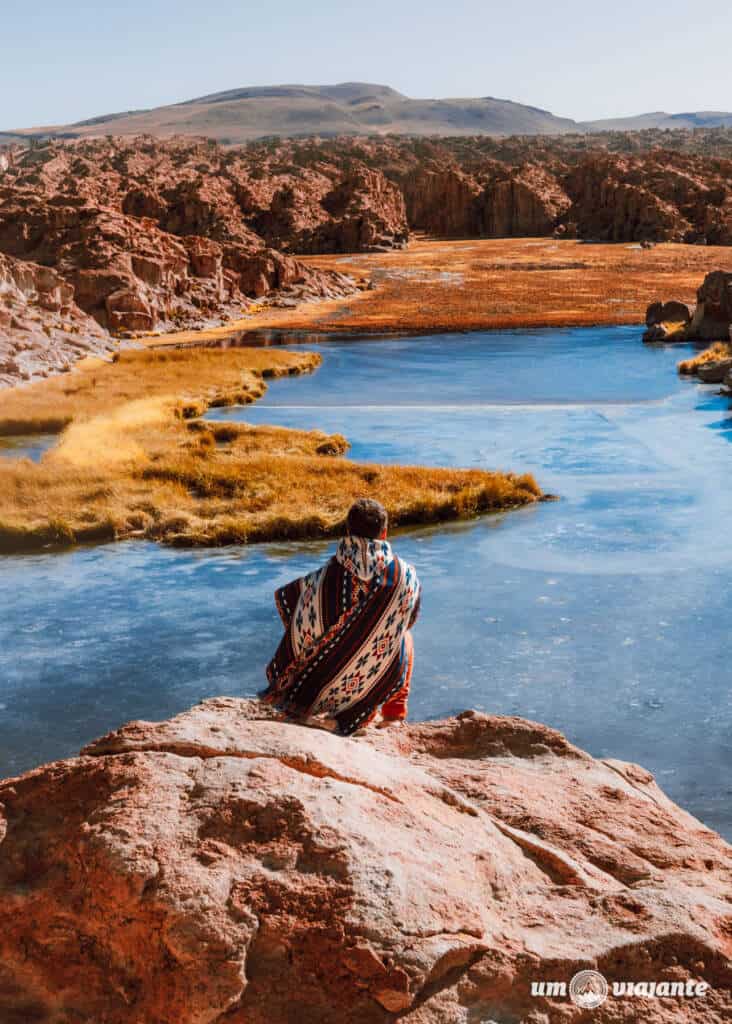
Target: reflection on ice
639, 486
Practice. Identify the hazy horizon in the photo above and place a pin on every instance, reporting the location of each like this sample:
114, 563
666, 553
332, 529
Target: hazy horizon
568, 59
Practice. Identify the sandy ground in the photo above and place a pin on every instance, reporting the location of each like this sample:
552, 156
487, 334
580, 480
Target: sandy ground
494, 283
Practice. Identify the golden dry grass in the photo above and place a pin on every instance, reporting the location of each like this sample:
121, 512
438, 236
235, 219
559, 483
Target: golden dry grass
129, 464
154, 476
496, 283
675, 329
134, 462
719, 350
198, 378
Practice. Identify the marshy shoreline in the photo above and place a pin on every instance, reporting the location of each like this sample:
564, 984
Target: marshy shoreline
185, 482
135, 460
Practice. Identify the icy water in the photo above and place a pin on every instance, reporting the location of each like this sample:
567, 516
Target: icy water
26, 447
604, 614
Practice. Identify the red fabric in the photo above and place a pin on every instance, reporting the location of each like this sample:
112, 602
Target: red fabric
395, 709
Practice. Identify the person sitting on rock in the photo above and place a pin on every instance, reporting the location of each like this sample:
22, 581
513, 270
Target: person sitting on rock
347, 649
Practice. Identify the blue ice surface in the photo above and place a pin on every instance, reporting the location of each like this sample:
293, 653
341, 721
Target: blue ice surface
604, 614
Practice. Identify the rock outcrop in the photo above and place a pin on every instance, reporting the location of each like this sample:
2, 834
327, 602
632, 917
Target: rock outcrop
223, 866
347, 194
305, 201
132, 276
143, 237
715, 372
441, 200
366, 213
661, 196
711, 319
667, 321
42, 330
526, 202
614, 200
618, 188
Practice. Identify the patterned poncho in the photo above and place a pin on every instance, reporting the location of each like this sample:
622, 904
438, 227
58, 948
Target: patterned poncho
343, 652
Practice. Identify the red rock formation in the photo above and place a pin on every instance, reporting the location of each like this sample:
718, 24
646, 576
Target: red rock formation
190, 187
661, 196
712, 319
42, 330
219, 868
131, 276
205, 207
498, 202
296, 195
126, 273
353, 210
442, 201
366, 214
154, 234
612, 203
527, 202
143, 202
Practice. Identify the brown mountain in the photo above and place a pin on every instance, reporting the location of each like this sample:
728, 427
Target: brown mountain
351, 108
661, 120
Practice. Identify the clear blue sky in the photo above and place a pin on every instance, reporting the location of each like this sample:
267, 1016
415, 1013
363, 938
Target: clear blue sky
63, 60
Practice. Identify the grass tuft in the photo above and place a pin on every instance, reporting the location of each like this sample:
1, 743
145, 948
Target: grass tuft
716, 352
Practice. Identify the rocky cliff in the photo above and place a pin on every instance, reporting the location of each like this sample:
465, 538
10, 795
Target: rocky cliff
524, 202
662, 196
712, 319
348, 194
223, 866
496, 202
42, 330
659, 196
155, 234
270, 194
143, 237
131, 276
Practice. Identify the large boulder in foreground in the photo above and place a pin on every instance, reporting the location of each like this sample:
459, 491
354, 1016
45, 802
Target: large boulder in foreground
224, 867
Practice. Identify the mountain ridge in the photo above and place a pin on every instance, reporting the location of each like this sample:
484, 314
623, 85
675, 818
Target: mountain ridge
247, 113
663, 120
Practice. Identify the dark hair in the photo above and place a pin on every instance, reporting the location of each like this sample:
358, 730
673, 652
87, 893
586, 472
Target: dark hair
367, 518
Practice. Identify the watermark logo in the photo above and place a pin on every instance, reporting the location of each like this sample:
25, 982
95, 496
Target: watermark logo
588, 989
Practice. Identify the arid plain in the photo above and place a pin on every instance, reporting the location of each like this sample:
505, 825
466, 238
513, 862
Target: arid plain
484, 284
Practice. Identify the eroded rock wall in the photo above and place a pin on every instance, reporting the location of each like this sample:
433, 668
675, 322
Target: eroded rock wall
42, 329
156, 234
